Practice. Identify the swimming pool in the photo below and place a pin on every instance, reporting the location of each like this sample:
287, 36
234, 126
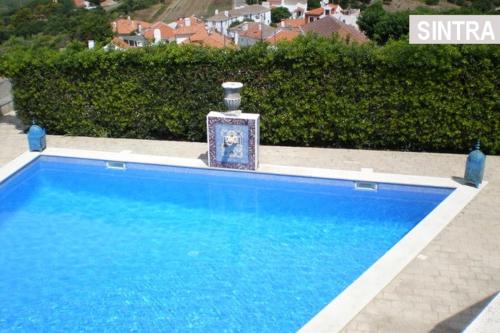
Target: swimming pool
88, 245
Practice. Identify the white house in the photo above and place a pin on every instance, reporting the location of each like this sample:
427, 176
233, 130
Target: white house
83, 4
296, 7
348, 16
222, 20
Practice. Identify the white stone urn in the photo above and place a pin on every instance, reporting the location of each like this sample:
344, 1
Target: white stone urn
232, 97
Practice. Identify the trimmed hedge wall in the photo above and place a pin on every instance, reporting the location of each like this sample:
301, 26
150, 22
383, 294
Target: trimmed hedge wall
310, 92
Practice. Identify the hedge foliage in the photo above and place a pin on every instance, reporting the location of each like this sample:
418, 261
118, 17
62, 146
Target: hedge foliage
309, 92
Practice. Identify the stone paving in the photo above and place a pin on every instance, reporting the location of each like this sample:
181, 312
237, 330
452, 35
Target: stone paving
441, 290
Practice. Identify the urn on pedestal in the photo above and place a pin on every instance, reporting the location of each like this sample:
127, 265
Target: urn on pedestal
232, 97
233, 136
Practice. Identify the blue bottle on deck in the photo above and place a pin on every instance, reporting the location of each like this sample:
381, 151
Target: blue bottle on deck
474, 169
36, 138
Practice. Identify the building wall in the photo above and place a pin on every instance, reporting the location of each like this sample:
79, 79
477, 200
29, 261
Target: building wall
224, 25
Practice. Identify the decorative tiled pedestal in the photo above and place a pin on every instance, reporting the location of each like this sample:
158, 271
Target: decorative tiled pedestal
233, 141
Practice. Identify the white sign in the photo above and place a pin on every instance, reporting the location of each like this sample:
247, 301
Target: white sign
454, 29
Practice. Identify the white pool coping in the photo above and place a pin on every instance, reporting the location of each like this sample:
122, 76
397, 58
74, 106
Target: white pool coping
342, 309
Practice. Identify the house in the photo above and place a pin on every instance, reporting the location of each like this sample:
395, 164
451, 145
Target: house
326, 9
221, 21
347, 16
296, 7
249, 33
131, 31
192, 30
189, 29
329, 25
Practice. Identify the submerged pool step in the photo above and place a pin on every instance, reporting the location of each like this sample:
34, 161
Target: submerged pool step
365, 186
116, 165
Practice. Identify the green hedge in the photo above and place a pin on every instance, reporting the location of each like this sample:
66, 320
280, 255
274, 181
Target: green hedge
311, 92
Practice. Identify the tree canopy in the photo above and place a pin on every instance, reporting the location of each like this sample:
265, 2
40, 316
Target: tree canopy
278, 14
59, 21
311, 4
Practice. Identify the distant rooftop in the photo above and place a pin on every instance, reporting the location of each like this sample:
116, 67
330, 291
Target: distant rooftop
283, 35
294, 23
128, 26
254, 30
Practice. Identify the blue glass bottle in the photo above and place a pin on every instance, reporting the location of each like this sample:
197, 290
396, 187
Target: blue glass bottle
36, 138
474, 169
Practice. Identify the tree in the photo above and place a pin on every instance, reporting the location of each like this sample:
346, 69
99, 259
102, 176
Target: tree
370, 17
278, 14
55, 23
311, 4
92, 24
381, 26
392, 26
484, 6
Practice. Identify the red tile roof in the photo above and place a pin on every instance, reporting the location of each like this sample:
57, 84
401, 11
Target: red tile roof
315, 12
198, 34
127, 26
215, 39
165, 30
294, 23
283, 35
255, 30
195, 26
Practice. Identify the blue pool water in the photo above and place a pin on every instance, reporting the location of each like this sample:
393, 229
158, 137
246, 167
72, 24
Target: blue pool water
169, 249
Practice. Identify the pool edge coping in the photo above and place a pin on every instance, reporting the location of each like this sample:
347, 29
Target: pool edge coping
17, 164
346, 305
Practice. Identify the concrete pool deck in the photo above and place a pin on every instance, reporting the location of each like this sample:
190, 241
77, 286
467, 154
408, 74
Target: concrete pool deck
442, 290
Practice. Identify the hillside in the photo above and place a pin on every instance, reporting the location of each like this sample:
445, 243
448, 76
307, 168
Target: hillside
170, 10
470, 6
398, 5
